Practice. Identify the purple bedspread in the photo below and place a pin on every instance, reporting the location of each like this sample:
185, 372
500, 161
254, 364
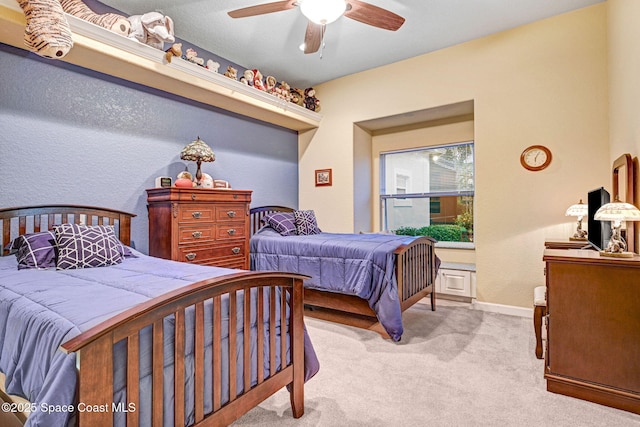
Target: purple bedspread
41, 309
353, 264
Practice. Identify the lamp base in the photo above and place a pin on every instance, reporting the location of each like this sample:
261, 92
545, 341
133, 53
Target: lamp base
578, 239
617, 254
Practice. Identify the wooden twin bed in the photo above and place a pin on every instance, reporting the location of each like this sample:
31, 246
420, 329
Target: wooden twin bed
94, 348
416, 267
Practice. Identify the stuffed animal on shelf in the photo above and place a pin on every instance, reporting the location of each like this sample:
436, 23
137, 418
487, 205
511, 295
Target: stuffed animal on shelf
231, 72
192, 56
174, 50
257, 80
212, 65
247, 77
152, 28
270, 84
283, 91
111, 21
297, 96
47, 32
310, 101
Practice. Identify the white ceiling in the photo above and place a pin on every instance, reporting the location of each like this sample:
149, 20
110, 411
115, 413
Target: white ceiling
271, 42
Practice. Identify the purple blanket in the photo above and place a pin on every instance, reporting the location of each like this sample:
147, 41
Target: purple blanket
41, 309
353, 264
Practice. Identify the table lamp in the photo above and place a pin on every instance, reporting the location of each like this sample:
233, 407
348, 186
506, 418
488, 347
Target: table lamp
578, 210
616, 212
198, 151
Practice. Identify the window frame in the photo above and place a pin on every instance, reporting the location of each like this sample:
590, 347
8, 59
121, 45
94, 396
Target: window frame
386, 198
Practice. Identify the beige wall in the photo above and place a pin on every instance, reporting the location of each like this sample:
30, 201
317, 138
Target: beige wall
543, 83
624, 76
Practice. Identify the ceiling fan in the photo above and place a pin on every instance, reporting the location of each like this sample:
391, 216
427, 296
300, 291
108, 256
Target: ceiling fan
323, 12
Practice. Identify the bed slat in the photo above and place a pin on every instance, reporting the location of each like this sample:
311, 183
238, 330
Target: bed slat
133, 378
179, 416
260, 335
246, 345
157, 374
272, 331
232, 347
199, 362
217, 356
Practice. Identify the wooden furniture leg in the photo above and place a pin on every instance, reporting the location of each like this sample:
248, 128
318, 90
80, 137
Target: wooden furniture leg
539, 311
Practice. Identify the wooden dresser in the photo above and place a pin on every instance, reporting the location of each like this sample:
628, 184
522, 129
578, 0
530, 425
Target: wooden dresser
593, 327
201, 226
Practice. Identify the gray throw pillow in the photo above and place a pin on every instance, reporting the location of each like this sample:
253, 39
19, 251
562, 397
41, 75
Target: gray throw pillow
306, 223
82, 246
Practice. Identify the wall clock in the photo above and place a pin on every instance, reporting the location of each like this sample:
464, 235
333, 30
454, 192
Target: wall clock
535, 158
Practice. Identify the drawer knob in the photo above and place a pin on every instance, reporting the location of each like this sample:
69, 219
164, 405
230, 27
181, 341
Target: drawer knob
235, 250
193, 196
196, 215
231, 231
197, 234
190, 256
231, 214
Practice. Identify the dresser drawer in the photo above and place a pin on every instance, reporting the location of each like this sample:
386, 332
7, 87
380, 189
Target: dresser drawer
204, 254
231, 211
195, 212
193, 233
230, 230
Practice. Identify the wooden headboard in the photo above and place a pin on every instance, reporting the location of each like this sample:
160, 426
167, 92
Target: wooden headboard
256, 215
32, 219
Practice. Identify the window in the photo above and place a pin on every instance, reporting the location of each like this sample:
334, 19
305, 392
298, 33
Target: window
403, 186
429, 191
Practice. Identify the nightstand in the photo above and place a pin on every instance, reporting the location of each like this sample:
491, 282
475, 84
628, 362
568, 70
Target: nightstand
200, 225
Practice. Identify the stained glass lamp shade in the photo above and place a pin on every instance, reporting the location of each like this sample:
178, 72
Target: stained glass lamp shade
198, 151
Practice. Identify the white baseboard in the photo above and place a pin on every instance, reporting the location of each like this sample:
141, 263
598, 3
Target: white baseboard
503, 309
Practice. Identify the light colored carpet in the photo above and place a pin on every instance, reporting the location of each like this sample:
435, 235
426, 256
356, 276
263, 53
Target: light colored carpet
454, 367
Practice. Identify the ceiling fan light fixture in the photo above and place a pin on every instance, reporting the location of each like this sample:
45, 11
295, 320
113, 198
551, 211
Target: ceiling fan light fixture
323, 12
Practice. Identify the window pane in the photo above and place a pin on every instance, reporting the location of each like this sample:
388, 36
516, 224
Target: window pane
439, 169
446, 218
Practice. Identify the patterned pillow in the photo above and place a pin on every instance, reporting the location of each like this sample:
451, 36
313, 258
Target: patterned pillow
82, 246
35, 250
306, 223
282, 222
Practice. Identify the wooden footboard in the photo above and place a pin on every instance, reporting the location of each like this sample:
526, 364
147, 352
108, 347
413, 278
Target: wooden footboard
95, 351
416, 271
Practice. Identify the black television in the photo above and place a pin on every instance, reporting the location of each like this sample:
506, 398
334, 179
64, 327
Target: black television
599, 232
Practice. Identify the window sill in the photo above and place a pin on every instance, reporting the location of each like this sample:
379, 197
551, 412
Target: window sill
456, 245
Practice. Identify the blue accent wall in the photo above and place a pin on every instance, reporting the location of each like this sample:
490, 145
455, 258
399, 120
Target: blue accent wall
71, 135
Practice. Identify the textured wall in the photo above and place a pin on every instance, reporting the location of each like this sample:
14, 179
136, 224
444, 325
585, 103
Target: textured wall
70, 135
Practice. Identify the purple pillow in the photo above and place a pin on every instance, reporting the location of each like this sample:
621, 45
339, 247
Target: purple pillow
82, 246
282, 222
35, 250
306, 223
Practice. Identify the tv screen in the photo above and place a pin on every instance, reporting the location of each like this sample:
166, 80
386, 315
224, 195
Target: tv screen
599, 232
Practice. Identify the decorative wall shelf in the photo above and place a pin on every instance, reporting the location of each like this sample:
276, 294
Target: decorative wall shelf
101, 50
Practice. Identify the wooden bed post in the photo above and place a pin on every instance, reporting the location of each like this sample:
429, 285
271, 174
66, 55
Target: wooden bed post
297, 348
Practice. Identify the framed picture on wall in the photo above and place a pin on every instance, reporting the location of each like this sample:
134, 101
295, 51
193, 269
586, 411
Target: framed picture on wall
323, 177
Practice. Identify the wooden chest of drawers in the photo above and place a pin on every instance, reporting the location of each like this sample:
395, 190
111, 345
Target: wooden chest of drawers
198, 225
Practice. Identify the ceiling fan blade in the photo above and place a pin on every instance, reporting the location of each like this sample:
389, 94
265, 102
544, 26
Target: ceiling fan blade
373, 15
312, 37
261, 9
